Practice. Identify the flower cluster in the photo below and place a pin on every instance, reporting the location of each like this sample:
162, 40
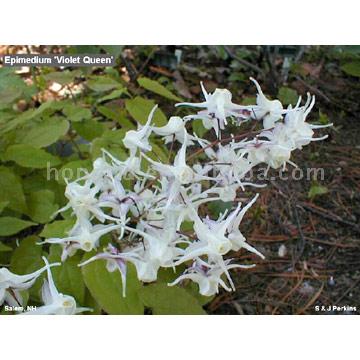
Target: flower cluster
145, 206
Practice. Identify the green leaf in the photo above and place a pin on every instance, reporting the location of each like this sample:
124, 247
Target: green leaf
46, 132
12, 225
168, 275
352, 68
219, 207
91, 303
170, 300
287, 96
198, 127
115, 113
63, 77
57, 229
45, 180
89, 129
113, 95
140, 108
12, 87
9, 95
159, 153
76, 113
3, 205
11, 190
5, 248
112, 113
8, 79
113, 49
41, 206
31, 157
317, 190
102, 83
193, 289
26, 116
106, 288
27, 259
46, 107
157, 88
68, 277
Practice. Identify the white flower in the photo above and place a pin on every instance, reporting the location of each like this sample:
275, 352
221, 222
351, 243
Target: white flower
100, 175
208, 277
83, 199
297, 129
236, 237
278, 150
285, 137
132, 166
267, 110
225, 192
179, 173
11, 284
173, 130
139, 139
55, 303
231, 166
218, 107
84, 236
174, 125
158, 250
181, 212
211, 238
179, 170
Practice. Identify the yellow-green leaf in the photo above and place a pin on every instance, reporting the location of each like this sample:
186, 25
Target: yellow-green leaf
8, 95
41, 205
140, 108
31, 157
317, 190
3, 205
12, 225
57, 229
166, 300
68, 277
102, 83
46, 132
62, 77
27, 259
106, 288
76, 113
89, 129
157, 88
11, 190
